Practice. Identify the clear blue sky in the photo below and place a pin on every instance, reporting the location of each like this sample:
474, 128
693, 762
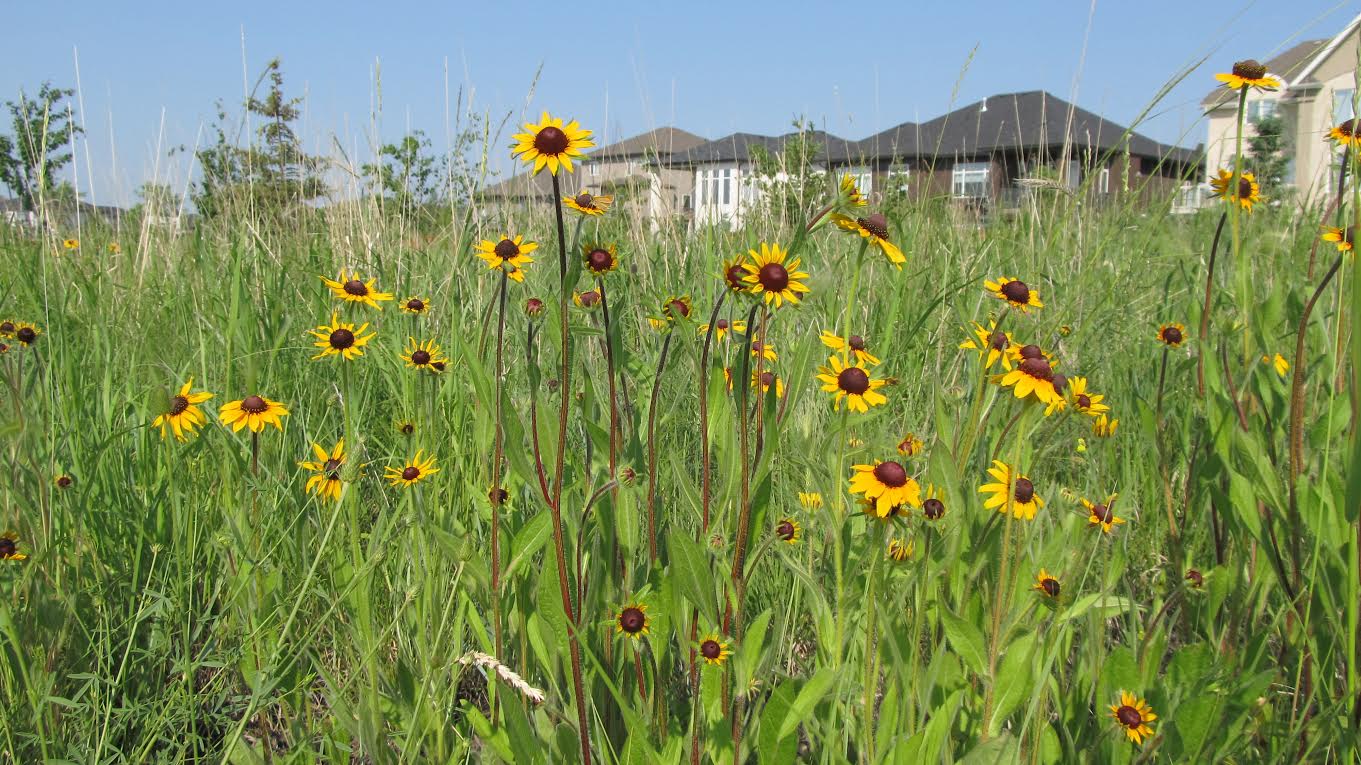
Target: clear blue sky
621, 68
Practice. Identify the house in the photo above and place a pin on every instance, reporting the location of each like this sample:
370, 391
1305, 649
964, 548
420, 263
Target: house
628, 169
1318, 91
723, 171
992, 153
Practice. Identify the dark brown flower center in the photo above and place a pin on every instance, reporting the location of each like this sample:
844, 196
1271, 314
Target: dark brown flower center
1348, 128
498, 496
876, 224
1103, 513
785, 530
63, 481
420, 357
1084, 401
8, 548
1037, 368
332, 469
1031, 352
632, 620
933, 508
415, 304
1016, 292
722, 324
856, 342
853, 380
585, 200
1128, 715
438, 366
1244, 188
891, 474
599, 260
551, 140
773, 277
178, 404
710, 649
411, 473
1195, 577
26, 335
1172, 335
407, 428
506, 249
767, 379
6, 327
590, 298
1251, 69
678, 308
533, 306
1025, 490
356, 288
734, 276
254, 404
1051, 588
1059, 382
341, 339
998, 341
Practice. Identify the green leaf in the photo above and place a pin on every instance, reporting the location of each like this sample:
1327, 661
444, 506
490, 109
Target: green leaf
1194, 719
967, 640
529, 540
749, 653
1014, 679
690, 565
809, 695
771, 745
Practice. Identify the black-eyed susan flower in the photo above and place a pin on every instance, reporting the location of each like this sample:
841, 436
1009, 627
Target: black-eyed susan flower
857, 345
1104, 426
1133, 715
254, 412
933, 507
341, 339
1047, 585
788, 531
63, 481
1346, 134
870, 508
352, 288
734, 274
900, 550
770, 276
811, 500
1032, 378
411, 472
1011, 489
71, 244
1194, 578
507, 254
1342, 238
992, 345
587, 299
887, 484
910, 446
405, 427
26, 333
714, 650
723, 326
765, 380
874, 229
4, 347
589, 204
1084, 399
551, 144
1249, 74
533, 307
674, 308
631, 621
1246, 193
765, 350
114, 248
853, 383
1014, 292
600, 259
848, 194
423, 355
1278, 363
416, 304
8, 327
9, 547
325, 479
1102, 514
1172, 334
183, 416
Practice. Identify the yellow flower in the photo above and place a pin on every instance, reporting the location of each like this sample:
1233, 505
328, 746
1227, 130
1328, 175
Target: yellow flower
551, 144
871, 509
1011, 490
352, 288
855, 342
1104, 427
933, 507
764, 350
811, 500
71, 244
722, 327
1032, 378
1248, 193
875, 230
325, 479
853, 383
788, 530
910, 446
26, 333
848, 194
405, 427
734, 274
412, 471
764, 380
588, 299
1015, 292
600, 259
900, 550
1343, 238
1172, 335
714, 650
8, 327
673, 308
114, 248
1346, 134
1086, 401
254, 412
992, 345
588, 204
887, 484
9, 547
1133, 715
416, 304
1102, 514
508, 255
1249, 74
1047, 585
184, 415
424, 355
768, 275
632, 621
1281, 365
340, 339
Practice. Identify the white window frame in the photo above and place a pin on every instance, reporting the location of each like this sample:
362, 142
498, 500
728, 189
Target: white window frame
898, 180
966, 174
593, 169
1103, 181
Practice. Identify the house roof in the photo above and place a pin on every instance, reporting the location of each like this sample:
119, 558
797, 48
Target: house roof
1288, 66
663, 140
526, 185
1013, 121
738, 147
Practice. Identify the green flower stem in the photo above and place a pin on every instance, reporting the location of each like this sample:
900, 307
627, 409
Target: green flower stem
1246, 298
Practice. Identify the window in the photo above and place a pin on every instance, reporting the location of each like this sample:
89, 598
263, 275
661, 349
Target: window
713, 186
1074, 175
699, 188
970, 179
897, 180
593, 169
1261, 108
1342, 105
1103, 181
727, 185
685, 202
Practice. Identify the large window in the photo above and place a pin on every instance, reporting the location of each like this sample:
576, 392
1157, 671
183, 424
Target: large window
1261, 109
727, 185
1342, 105
699, 188
1103, 181
970, 179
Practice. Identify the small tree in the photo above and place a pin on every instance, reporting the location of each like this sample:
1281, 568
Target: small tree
1269, 154
788, 179
43, 130
406, 172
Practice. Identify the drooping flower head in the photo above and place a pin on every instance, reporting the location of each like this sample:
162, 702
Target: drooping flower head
1278, 363
887, 484
341, 339
811, 500
352, 288
874, 229
1085, 400
551, 144
183, 415
1249, 74
9, 547
1246, 193
254, 412
1343, 238
723, 326
992, 345
507, 254
1133, 715
858, 346
1014, 292
1033, 377
1102, 514
1047, 585
770, 276
851, 382
589, 204
900, 550
910, 446
1346, 134
1104, 427
325, 479
1011, 489
848, 194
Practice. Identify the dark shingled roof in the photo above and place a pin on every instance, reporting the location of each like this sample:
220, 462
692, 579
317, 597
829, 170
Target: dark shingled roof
663, 140
738, 146
1285, 66
1013, 121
